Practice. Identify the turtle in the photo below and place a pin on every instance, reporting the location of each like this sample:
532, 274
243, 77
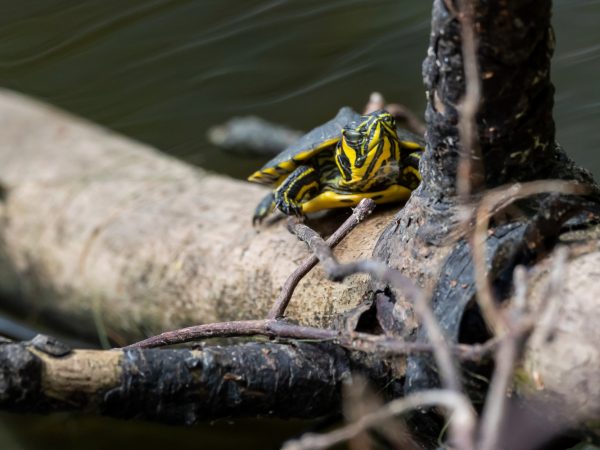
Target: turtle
339, 163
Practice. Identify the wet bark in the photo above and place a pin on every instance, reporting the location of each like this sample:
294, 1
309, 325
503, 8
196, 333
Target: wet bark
183, 386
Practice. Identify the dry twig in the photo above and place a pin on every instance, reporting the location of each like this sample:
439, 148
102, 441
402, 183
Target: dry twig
277, 329
462, 420
362, 210
381, 272
491, 203
495, 404
470, 174
520, 325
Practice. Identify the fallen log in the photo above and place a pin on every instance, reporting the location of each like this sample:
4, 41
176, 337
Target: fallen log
98, 231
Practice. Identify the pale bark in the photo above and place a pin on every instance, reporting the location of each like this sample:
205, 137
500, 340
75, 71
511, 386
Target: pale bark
562, 359
94, 225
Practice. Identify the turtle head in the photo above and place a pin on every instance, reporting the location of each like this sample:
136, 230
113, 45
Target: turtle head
368, 149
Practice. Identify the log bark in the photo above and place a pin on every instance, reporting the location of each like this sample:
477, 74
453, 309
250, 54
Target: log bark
562, 361
515, 132
515, 127
183, 386
99, 231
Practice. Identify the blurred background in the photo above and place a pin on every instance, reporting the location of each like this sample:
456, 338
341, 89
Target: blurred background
165, 71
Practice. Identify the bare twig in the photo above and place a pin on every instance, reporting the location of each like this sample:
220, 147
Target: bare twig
376, 102
240, 328
494, 412
462, 420
382, 345
400, 112
380, 271
470, 174
495, 405
548, 310
491, 203
362, 210
271, 328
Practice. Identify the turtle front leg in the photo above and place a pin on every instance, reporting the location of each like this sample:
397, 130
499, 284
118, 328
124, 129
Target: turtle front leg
264, 208
330, 199
299, 186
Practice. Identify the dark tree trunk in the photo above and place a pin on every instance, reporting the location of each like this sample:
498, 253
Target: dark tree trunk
515, 127
515, 134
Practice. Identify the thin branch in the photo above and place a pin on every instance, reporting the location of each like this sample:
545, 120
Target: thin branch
276, 329
269, 328
470, 174
462, 420
362, 210
550, 306
381, 272
491, 203
494, 411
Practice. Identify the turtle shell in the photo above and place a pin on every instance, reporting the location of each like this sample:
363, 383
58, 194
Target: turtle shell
306, 147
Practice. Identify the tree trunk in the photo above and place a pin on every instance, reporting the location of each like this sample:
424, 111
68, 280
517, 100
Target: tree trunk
515, 134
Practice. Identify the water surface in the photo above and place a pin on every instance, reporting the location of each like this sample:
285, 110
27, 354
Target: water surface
165, 71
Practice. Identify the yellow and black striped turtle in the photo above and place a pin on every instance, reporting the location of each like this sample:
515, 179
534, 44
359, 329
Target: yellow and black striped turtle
339, 163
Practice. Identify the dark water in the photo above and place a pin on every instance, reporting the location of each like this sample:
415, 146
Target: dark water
165, 71
69, 432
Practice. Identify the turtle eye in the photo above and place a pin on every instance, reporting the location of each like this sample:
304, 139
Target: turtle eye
387, 118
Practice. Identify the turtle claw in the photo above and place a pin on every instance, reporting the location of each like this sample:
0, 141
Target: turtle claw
289, 208
263, 209
256, 220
